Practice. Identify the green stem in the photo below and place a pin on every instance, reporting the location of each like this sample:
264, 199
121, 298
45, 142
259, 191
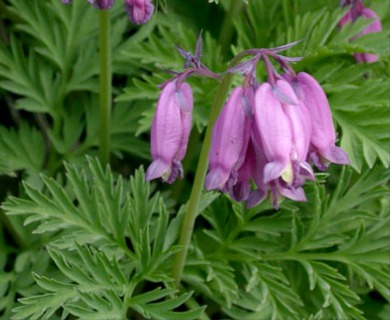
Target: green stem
200, 174
226, 32
196, 192
105, 85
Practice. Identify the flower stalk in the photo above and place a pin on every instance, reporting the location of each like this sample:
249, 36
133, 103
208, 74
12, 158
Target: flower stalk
105, 85
201, 170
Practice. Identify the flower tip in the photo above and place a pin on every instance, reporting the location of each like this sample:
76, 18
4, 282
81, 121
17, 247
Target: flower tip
273, 170
215, 179
296, 194
306, 171
336, 155
157, 169
255, 197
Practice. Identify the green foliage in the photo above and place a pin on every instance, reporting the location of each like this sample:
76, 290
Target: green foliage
50, 65
121, 229
82, 241
275, 260
16, 152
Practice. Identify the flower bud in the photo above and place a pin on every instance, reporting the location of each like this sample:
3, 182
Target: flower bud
170, 131
139, 11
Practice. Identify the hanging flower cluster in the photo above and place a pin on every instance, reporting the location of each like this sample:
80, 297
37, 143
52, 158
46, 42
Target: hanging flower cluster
357, 10
270, 132
138, 11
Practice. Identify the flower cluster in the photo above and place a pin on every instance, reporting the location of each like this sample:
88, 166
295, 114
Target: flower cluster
357, 10
270, 132
138, 11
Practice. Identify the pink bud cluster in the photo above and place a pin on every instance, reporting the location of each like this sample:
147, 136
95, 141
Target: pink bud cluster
357, 10
269, 133
138, 11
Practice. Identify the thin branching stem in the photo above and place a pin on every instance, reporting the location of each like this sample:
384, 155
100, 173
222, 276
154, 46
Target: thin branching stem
200, 175
105, 85
201, 170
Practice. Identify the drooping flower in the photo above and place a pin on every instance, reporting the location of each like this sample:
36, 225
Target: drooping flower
170, 132
275, 132
323, 136
357, 10
139, 11
102, 4
229, 140
172, 121
284, 128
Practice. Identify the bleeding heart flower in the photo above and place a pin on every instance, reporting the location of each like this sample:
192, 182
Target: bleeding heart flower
229, 140
323, 136
170, 132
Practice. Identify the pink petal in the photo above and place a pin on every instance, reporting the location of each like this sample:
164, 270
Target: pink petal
273, 125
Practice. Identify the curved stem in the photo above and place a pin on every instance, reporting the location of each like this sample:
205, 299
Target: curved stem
105, 85
201, 170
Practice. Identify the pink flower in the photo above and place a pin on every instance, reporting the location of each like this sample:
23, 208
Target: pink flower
323, 136
230, 138
170, 131
285, 127
139, 11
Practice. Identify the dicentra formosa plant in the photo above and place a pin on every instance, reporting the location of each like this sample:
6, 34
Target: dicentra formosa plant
268, 132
